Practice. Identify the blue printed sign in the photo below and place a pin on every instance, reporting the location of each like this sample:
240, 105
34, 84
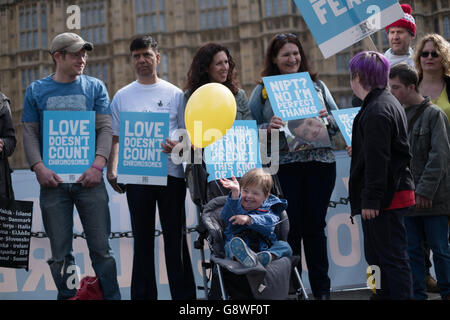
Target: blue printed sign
69, 142
337, 24
344, 119
292, 96
141, 157
235, 153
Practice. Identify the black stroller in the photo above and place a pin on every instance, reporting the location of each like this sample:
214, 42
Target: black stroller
280, 280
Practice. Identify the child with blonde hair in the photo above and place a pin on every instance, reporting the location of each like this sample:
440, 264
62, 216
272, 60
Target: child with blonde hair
251, 214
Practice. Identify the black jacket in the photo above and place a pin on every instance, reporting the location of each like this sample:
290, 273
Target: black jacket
8, 135
380, 153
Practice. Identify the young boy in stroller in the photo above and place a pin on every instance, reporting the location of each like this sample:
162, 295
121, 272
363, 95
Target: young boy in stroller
251, 214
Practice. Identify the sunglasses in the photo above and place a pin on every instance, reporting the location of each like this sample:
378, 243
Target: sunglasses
283, 36
425, 54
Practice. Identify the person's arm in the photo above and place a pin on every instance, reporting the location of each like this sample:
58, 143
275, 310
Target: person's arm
436, 166
113, 161
103, 138
377, 154
243, 111
31, 138
7, 135
264, 223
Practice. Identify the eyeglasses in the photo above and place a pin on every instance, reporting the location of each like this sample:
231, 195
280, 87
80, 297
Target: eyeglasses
283, 36
425, 54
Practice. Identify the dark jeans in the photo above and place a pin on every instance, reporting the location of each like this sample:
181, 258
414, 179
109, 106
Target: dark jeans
308, 186
142, 201
385, 246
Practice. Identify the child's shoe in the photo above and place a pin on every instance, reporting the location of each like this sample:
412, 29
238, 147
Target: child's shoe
264, 257
243, 253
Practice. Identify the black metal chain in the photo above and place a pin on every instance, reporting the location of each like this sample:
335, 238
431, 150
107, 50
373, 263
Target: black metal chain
129, 234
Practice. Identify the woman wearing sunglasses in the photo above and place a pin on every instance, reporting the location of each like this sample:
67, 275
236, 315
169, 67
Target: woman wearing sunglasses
307, 177
432, 60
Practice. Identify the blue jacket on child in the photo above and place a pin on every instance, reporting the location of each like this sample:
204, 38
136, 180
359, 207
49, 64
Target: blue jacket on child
264, 219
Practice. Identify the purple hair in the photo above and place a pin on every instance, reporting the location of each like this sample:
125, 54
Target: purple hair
372, 69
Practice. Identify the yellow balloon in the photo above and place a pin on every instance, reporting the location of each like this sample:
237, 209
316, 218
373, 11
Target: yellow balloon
210, 112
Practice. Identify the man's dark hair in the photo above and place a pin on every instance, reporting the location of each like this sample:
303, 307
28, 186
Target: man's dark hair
144, 42
406, 74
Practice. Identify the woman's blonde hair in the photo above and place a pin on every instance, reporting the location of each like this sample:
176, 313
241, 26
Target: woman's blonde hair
257, 177
442, 48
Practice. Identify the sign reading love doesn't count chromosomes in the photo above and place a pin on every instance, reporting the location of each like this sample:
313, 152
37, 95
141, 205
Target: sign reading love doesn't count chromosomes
69, 142
141, 157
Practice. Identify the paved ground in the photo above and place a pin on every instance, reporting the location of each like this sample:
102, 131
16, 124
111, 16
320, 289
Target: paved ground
364, 294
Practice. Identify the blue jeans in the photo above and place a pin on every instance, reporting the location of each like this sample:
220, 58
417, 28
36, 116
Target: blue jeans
435, 229
278, 249
57, 206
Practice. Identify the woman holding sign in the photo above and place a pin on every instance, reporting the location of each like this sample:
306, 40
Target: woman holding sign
307, 177
214, 63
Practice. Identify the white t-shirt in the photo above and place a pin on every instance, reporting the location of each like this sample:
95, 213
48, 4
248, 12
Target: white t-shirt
159, 97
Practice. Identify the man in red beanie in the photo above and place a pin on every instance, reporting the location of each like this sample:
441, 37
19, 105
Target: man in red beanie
400, 34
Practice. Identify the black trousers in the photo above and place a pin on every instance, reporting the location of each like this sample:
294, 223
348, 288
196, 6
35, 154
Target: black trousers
385, 246
308, 186
142, 202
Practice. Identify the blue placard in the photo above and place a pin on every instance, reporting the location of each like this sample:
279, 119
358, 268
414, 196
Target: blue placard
235, 153
337, 24
69, 142
344, 118
293, 96
141, 160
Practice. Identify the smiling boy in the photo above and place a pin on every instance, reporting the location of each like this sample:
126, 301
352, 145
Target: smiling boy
251, 214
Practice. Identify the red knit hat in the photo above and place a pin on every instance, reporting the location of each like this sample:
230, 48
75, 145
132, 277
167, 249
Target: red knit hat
406, 22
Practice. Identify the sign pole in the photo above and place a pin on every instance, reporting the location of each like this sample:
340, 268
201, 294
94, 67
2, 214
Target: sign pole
369, 44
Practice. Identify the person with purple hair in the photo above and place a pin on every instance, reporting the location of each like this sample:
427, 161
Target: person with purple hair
381, 186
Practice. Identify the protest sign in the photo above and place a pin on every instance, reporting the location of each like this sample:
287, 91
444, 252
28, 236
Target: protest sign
305, 134
292, 96
344, 119
235, 153
69, 142
338, 24
15, 233
141, 157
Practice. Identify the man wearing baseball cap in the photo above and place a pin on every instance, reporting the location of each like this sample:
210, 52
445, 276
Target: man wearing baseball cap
69, 42
400, 35
68, 89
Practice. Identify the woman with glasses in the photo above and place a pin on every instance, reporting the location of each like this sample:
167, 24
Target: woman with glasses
307, 177
432, 60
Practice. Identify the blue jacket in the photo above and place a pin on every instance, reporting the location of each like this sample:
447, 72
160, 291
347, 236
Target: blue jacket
264, 219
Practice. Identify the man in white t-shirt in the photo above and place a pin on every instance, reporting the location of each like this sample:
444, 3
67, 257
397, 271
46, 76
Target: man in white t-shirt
152, 94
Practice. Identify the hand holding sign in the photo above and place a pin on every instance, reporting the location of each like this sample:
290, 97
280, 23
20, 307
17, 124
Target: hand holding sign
210, 112
46, 177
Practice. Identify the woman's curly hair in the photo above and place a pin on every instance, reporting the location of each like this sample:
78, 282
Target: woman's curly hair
198, 71
442, 48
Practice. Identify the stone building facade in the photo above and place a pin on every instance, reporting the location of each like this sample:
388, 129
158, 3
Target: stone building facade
180, 26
